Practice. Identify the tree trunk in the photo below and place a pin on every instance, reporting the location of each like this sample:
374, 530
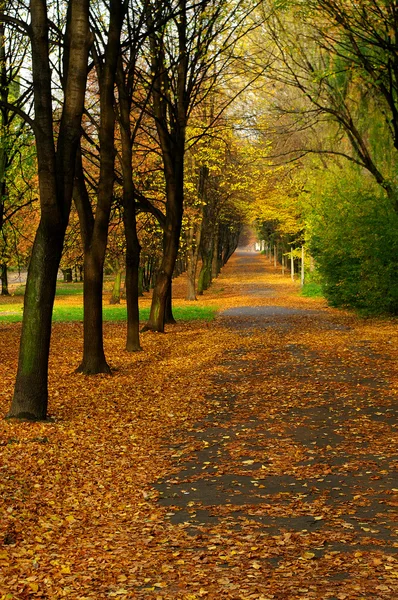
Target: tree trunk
168, 315
205, 277
171, 133
192, 259
291, 264
4, 280
94, 360
93, 349
191, 279
31, 390
161, 293
115, 297
140, 281
207, 233
67, 273
133, 250
216, 264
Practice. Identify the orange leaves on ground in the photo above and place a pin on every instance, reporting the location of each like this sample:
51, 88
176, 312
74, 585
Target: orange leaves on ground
268, 418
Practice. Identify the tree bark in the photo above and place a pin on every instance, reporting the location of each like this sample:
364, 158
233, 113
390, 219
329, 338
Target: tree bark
168, 316
192, 256
31, 390
67, 273
4, 280
94, 360
216, 263
133, 248
157, 316
206, 250
116, 289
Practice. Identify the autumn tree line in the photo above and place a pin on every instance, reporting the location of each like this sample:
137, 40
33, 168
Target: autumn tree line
117, 112
147, 132
331, 116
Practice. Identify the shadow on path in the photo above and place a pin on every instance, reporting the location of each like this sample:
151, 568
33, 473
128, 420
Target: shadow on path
301, 440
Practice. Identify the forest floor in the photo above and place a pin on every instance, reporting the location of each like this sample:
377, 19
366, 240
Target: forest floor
252, 457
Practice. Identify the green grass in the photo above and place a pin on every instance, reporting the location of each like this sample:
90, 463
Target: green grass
63, 289
69, 289
312, 290
11, 313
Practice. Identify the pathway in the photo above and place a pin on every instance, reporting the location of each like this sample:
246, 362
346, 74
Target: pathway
300, 452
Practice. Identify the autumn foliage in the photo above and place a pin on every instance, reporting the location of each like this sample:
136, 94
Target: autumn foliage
250, 457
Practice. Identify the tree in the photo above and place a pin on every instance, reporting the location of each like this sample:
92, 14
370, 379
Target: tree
366, 33
56, 165
190, 47
338, 61
130, 114
95, 228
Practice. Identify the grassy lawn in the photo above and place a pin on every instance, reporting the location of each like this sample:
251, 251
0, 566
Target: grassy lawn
63, 289
12, 313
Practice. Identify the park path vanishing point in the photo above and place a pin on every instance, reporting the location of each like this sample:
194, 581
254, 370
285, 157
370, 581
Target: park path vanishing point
300, 451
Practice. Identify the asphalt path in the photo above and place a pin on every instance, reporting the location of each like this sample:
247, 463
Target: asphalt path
317, 415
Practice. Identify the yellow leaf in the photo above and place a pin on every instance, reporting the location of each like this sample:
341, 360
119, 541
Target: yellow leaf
308, 555
65, 570
33, 586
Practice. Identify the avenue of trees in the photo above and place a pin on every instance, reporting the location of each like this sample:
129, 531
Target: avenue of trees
116, 95
139, 135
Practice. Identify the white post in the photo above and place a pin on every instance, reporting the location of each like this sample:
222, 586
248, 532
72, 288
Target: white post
302, 266
291, 263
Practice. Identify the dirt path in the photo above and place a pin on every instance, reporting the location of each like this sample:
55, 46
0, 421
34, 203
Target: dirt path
299, 455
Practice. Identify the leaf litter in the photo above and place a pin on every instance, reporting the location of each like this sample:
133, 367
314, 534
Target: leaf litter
250, 458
